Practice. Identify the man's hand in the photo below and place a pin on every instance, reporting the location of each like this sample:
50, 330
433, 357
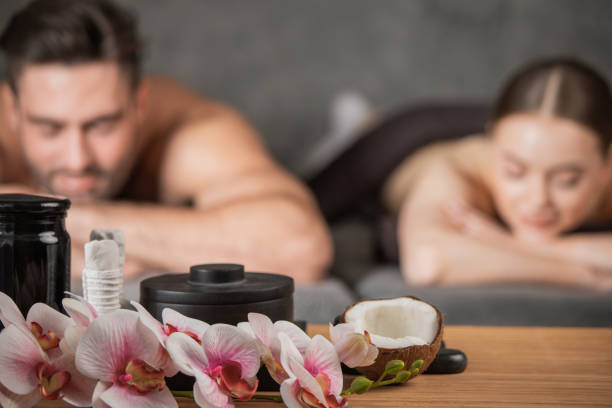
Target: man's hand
19, 189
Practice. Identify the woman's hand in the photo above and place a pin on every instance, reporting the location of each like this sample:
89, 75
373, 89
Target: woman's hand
474, 222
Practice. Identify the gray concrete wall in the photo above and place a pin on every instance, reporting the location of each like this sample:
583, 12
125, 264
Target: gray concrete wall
281, 61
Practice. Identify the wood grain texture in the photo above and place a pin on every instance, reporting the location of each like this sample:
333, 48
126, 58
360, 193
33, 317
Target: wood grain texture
507, 367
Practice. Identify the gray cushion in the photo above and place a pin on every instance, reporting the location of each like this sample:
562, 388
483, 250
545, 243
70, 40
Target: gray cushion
322, 301
504, 305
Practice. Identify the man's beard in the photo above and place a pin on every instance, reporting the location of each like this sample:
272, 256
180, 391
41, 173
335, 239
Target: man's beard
103, 177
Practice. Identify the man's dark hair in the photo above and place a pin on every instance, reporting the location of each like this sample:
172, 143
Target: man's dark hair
581, 94
71, 32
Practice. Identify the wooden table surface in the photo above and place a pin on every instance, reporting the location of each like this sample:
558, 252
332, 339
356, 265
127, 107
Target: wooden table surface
507, 367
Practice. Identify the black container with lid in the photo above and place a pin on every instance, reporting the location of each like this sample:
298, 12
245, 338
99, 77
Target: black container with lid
34, 249
219, 293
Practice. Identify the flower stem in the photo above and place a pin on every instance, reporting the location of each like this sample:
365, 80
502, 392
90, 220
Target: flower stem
275, 398
383, 375
381, 383
184, 394
189, 394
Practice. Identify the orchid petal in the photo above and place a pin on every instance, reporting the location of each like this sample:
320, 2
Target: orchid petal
79, 390
339, 331
72, 336
161, 360
92, 310
289, 350
19, 356
207, 393
264, 352
10, 313
79, 312
231, 378
370, 357
9, 399
223, 342
188, 355
274, 367
118, 396
293, 364
300, 339
262, 328
355, 351
96, 401
118, 337
288, 391
321, 357
246, 327
353, 348
306, 380
49, 318
184, 323
150, 322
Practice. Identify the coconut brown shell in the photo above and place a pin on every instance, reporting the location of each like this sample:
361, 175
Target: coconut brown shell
408, 355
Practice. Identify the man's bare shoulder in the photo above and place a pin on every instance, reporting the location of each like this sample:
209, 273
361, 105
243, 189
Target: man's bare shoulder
168, 104
462, 161
13, 168
220, 158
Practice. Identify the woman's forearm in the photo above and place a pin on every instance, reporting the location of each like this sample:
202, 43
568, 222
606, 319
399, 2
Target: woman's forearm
461, 259
593, 249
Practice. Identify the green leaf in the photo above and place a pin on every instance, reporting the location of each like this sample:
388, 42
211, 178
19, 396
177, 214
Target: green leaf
394, 366
360, 385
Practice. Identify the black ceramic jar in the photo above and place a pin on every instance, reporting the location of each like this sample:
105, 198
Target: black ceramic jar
34, 249
219, 293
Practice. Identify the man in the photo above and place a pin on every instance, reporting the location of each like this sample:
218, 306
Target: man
186, 179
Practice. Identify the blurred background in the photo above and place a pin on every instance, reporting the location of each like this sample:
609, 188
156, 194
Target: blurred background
281, 62
285, 64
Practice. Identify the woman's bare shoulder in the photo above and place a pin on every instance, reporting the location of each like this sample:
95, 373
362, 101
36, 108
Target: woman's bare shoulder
461, 164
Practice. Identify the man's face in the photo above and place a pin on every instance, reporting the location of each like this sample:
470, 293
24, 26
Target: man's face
78, 127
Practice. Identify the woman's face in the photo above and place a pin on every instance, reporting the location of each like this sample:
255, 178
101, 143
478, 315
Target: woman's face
549, 174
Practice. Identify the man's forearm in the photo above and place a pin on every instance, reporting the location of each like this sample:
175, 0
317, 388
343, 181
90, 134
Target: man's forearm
274, 234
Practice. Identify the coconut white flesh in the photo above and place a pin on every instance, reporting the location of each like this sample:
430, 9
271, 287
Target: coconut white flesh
395, 323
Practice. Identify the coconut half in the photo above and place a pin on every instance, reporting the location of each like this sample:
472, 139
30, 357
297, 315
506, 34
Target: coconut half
404, 328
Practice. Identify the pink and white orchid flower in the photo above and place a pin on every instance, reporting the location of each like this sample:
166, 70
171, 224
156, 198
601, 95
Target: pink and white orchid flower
315, 380
119, 352
28, 374
82, 314
9, 399
224, 366
353, 348
266, 333
173, 322
46, 324
80, 310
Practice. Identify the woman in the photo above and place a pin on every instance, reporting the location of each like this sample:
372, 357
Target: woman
508, 206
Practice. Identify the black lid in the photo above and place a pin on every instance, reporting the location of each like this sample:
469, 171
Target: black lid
216, 284
27, 203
